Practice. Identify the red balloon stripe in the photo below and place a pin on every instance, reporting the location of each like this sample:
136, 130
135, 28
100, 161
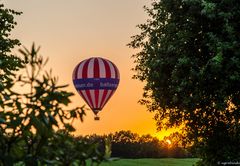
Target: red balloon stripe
96, 68
85, 69
107, 69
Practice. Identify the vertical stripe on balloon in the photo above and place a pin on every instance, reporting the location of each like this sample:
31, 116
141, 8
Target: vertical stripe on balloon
100, 97
111, 70
102, 67
79, 70
103, 98
85, 69
92, 94
96, 75
107, 68
96, 96
96, 68
90, 99
90, 70
117, 75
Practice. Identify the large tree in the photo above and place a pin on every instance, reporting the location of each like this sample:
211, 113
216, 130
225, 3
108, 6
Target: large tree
190, 60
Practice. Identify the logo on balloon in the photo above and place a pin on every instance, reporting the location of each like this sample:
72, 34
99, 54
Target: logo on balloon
96, 83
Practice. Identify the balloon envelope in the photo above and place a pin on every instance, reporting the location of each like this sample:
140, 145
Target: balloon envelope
96, 80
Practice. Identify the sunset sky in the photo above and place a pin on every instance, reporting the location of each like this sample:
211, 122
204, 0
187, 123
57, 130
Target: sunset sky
71, 31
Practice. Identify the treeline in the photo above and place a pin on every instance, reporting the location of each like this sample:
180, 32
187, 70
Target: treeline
126, 144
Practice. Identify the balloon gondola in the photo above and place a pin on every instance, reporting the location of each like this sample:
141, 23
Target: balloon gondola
96, 79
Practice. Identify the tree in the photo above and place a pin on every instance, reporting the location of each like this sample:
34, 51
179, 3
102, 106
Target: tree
8, 62
30, 115
174, 144
190, 60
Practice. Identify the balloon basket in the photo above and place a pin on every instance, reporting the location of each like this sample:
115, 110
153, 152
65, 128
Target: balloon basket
96, 118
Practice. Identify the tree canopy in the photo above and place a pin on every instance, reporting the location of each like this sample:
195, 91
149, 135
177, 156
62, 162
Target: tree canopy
190, 60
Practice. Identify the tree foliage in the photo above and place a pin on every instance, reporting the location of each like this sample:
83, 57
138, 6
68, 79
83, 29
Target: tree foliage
190, 61
66, 149
33, 106
8, 62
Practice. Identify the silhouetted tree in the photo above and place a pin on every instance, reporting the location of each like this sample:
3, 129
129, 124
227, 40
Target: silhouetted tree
176, 147
190, 60
124, 144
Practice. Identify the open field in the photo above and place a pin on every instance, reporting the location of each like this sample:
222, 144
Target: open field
152, 162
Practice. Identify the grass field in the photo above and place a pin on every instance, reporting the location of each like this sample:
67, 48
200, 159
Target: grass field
152, 162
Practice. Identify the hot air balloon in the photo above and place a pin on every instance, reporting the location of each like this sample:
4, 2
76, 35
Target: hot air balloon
96, 80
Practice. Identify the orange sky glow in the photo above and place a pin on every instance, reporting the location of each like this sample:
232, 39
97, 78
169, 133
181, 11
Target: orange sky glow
71, 31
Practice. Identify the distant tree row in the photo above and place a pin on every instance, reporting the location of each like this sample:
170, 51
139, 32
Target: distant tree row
126, 144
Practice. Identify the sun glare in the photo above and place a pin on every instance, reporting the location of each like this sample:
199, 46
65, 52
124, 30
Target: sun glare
168, 142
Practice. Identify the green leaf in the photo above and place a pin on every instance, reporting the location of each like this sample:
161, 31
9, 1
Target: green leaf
69, 127
15, 123
18, 149
73, 113
53, 120
40, 127
2, 121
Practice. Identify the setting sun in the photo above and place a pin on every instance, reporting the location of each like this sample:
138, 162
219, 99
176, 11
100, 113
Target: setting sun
168, 142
